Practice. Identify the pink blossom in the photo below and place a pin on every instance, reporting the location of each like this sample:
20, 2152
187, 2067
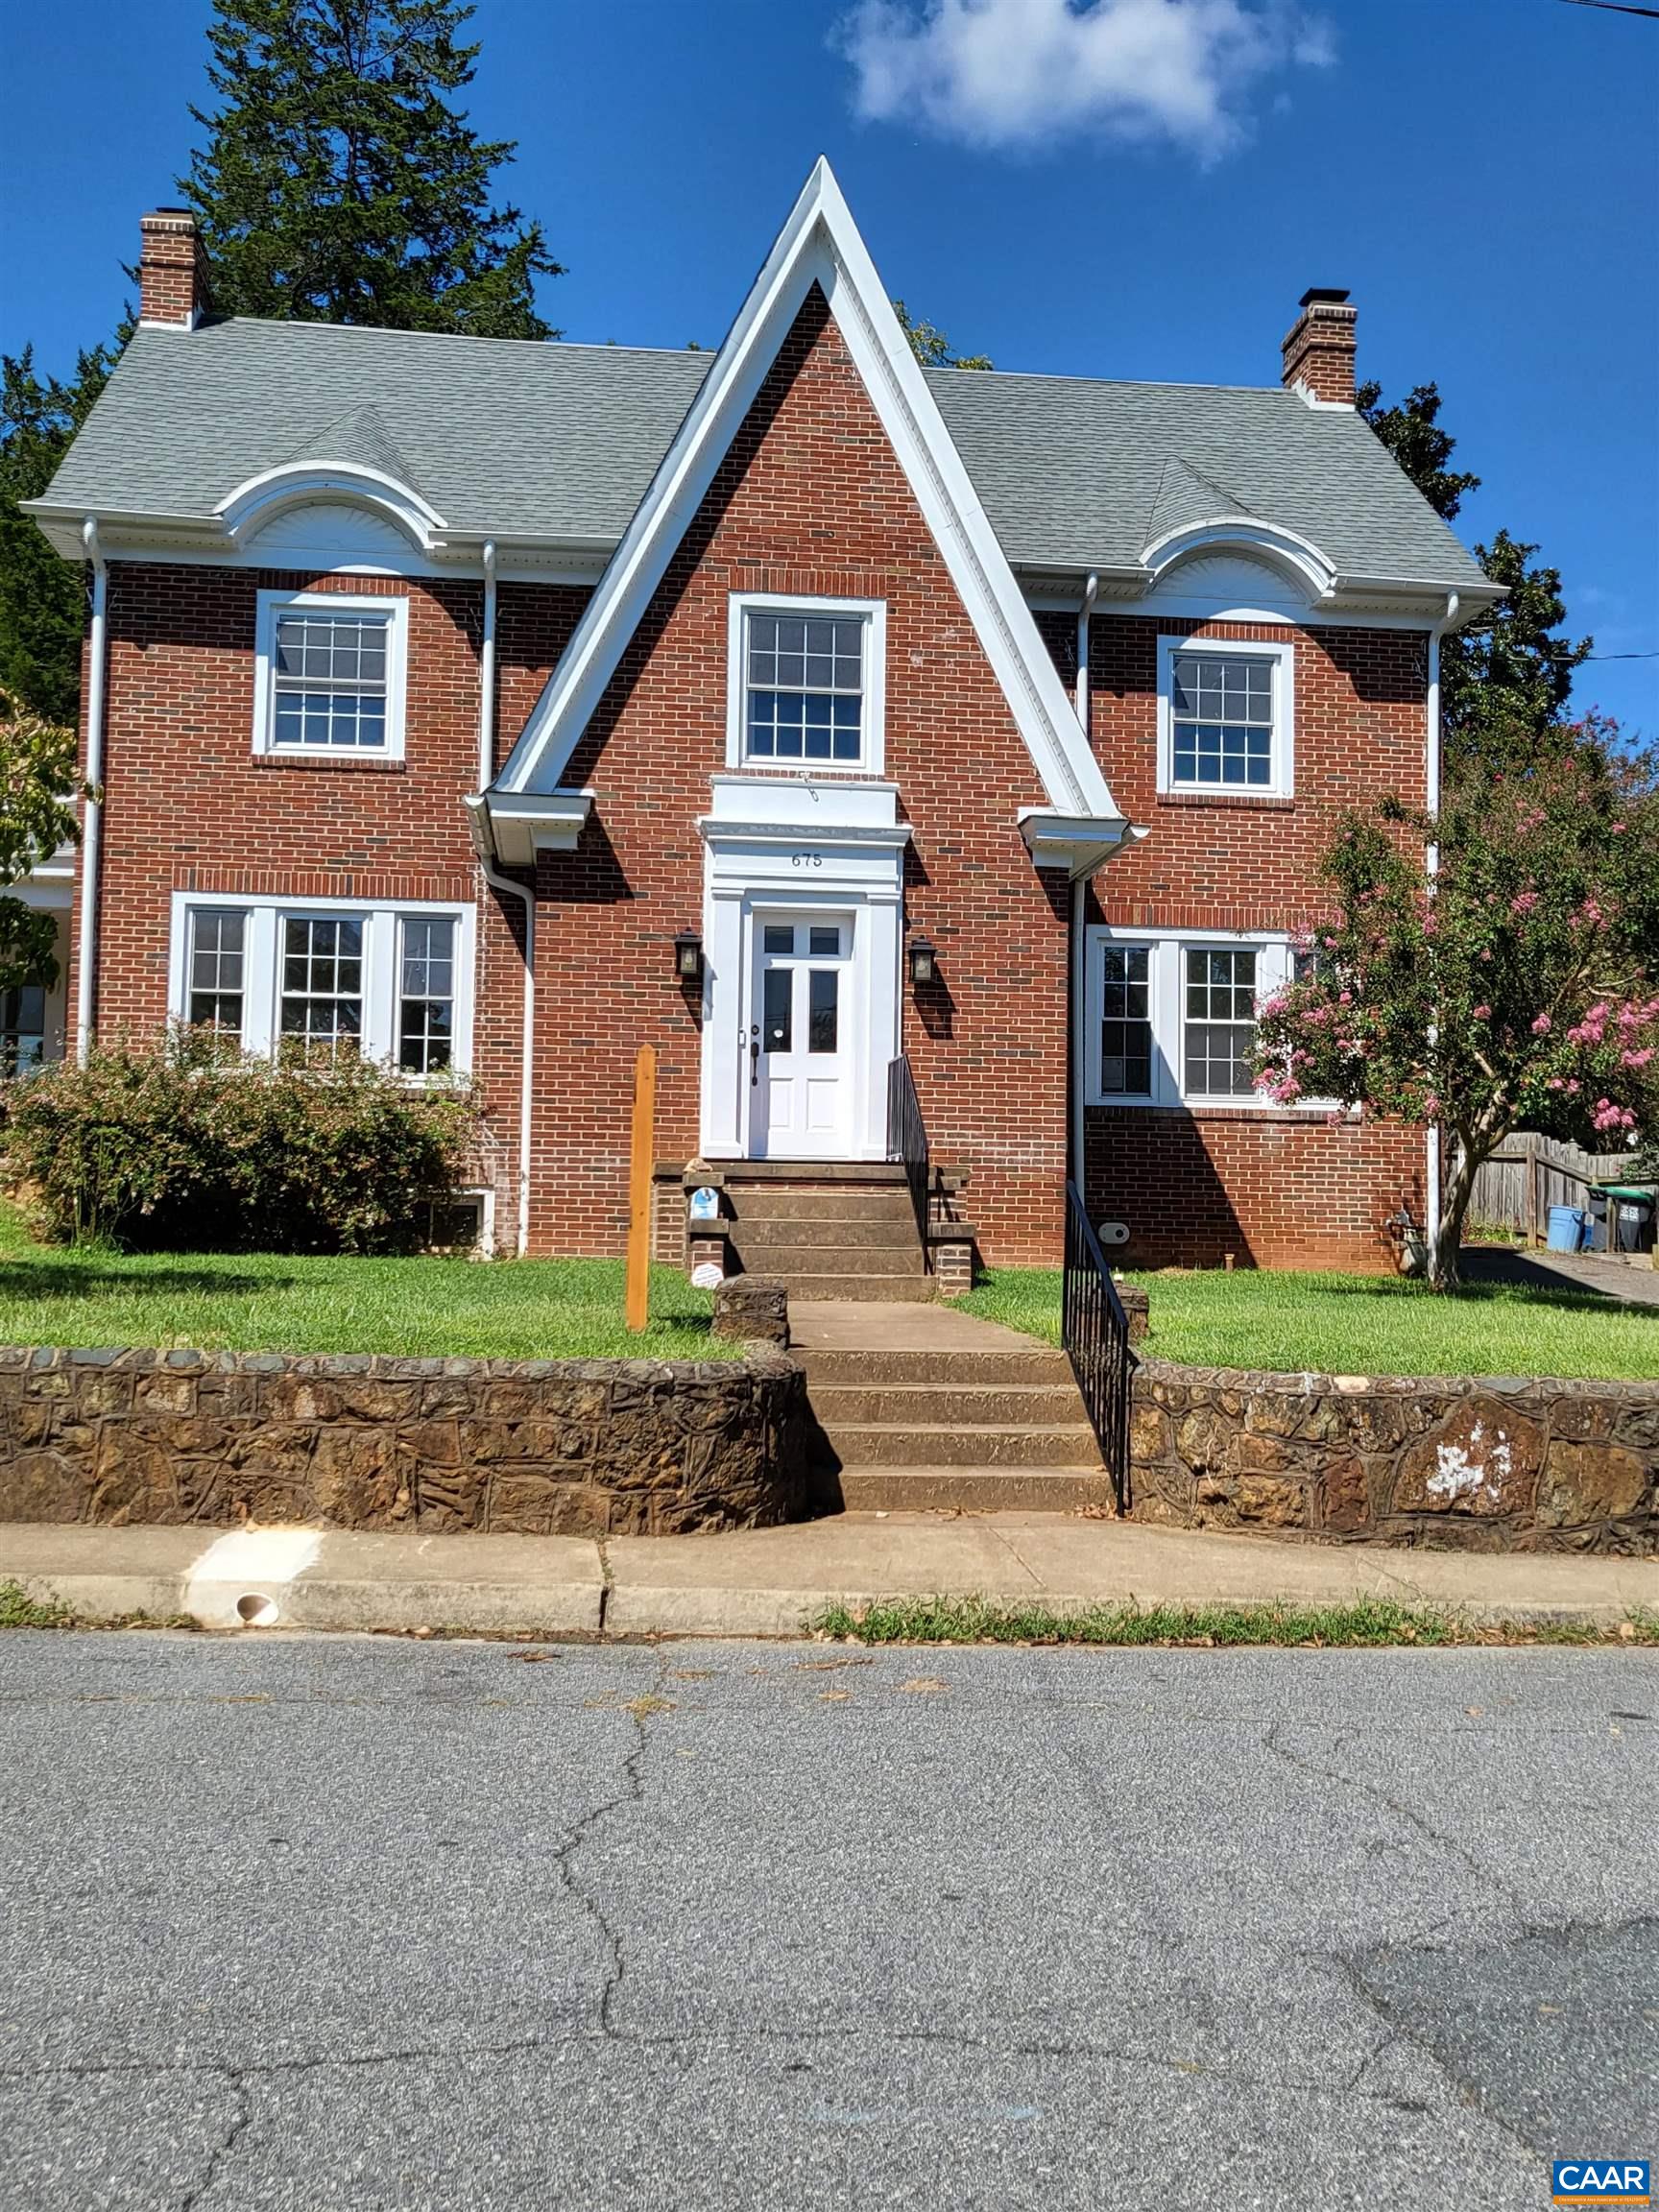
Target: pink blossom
1589, 912
1606, 1116
1431, 1104
1617, 828
1542, 1026
1557, 1083
1482, 1013
1636, 1059
1344, 998
1523, 902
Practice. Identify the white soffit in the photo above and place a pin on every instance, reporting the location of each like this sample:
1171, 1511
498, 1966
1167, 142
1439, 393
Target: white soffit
819, 244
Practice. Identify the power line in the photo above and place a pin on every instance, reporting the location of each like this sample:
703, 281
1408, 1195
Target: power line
1617, 8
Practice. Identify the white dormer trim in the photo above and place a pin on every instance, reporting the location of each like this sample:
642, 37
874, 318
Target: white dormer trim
255, 503
1308, 569
820, 244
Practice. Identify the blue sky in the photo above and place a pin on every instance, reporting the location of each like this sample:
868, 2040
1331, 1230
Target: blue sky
1142, 188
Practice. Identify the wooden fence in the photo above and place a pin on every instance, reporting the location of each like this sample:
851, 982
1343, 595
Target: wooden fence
1529, 1174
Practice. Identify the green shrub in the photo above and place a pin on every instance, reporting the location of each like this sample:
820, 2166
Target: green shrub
178, 1143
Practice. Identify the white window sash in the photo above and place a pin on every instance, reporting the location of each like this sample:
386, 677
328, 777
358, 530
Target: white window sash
872, 614
393, 611
1168, 949
1282, 655
382, 946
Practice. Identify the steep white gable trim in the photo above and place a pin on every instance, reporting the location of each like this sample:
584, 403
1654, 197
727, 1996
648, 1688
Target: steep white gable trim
819, 243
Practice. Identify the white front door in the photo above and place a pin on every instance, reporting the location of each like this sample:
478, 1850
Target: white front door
800, 1037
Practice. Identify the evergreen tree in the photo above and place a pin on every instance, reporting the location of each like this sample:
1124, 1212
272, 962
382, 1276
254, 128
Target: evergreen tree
43, 598
339, 185
1507, 677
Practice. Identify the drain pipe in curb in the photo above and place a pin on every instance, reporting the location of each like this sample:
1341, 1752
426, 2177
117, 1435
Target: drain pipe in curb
508, 888
92, 820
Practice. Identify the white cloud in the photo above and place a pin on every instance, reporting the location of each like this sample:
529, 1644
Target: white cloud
1022, 73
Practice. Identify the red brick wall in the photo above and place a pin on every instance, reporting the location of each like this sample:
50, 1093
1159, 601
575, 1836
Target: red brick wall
812, 499
189, 806
1280, 1190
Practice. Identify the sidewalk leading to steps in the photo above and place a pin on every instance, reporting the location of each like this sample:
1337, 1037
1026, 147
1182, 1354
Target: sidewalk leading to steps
764, 1582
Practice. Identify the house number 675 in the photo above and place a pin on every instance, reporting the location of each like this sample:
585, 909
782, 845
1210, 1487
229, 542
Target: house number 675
806, 860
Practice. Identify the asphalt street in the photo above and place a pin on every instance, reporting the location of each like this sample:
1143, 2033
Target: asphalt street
337, 1922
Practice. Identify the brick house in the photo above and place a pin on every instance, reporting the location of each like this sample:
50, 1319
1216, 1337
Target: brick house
795, 709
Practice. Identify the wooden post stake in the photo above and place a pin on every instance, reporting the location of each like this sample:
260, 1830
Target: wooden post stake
640, 1159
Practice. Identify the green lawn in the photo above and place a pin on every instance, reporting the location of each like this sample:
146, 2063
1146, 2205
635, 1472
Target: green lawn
1357, 1324
509, 1309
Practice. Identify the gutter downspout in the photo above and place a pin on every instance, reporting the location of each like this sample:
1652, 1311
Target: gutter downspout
1074, 1149
507, 887
1432, 1198
86, 950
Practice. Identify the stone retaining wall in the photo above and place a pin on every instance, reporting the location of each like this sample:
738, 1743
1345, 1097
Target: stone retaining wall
521, 1447
1482, 1464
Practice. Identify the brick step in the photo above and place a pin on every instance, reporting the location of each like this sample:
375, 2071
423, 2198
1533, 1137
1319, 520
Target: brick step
965, 1369
967, 1489
878, 1262
811, 1174
837, 1290
962, 1444
938, 1405
839, 1230
772, 1203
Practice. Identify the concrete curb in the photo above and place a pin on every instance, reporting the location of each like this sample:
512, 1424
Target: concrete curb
769, 1582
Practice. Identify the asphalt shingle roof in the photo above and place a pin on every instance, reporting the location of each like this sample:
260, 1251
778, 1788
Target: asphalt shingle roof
520, 438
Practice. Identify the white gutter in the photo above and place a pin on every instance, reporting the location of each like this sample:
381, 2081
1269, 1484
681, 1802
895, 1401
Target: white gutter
1431, 773
487, 674
507, 887
1091, 590
1079, 893
92, 821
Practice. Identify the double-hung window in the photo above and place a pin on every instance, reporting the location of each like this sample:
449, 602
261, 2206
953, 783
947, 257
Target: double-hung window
331, 676
22, 1029
1224, 718
1171, 1015
1126, 1022
331, 976
806, 684
1218, 1020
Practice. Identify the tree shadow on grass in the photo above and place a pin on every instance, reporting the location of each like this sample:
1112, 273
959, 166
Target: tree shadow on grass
1520, 1284
93, 1278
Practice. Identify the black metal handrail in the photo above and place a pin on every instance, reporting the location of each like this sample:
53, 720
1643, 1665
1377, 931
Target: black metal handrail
908, 1142
1094, 1329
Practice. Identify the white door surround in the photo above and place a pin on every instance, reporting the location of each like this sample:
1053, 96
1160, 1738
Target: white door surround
788, 852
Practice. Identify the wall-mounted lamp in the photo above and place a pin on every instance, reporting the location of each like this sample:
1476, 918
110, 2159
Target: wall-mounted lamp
922, 960
689, 957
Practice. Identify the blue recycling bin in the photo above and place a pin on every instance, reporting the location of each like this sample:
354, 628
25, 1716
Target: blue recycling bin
1567, 1226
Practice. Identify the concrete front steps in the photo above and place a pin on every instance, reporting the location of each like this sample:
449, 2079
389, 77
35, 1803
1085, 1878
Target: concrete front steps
846, 1230
990, 1423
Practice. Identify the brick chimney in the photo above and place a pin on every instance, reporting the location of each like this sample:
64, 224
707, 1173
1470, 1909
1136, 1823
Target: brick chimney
172, 271
1319, 349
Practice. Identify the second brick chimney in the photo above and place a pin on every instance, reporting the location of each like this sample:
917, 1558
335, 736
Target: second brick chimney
172, 271
1319, 347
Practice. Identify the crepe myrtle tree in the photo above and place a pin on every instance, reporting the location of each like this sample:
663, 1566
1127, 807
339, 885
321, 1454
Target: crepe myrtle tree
1515, 985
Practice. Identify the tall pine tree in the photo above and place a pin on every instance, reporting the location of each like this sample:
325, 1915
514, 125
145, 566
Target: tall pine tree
1505, 678
43, 598
338, 184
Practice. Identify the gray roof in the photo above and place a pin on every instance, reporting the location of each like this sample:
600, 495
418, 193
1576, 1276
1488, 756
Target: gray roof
520, 437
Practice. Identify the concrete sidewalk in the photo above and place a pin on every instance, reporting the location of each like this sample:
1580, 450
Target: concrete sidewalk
766, 1582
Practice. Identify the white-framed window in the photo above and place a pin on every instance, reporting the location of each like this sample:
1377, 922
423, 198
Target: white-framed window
330, 674
1226, 716
1171, 1016
806, 684
393, 982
